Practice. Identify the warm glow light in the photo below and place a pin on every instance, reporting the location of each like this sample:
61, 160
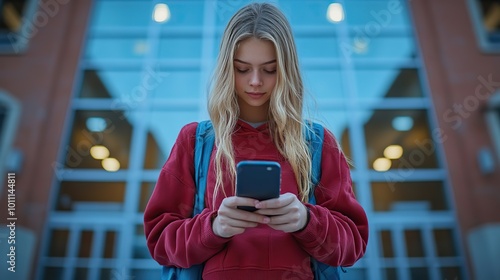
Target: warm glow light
335, 12
382, 164
161, 13
99, 152
110, 164
393, 152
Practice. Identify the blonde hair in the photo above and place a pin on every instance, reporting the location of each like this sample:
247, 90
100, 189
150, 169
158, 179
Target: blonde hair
263, 21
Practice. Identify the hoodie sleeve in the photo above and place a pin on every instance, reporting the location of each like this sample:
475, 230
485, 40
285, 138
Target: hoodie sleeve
337, 231
174, 238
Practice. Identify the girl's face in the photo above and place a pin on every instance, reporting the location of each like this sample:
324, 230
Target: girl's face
255, 77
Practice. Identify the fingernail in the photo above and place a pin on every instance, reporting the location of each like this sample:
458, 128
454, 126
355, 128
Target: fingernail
266, 220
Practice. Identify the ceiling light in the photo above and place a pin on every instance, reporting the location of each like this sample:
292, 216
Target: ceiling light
402, 123
110, 164
335, 12
99, 152
96, 124
382, 164
393, 152
161, 13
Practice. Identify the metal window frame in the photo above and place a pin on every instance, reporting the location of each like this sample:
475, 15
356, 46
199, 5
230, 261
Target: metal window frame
19, 41
483, 42
492, 116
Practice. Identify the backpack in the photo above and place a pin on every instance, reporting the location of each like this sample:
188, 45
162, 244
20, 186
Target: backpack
205, 139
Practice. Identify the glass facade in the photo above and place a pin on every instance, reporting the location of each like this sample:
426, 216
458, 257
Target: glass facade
140, 80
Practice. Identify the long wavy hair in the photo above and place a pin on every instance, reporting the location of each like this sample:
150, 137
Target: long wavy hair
266, 22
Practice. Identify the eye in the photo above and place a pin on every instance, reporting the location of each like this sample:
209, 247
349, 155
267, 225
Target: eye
241, 70
270, 71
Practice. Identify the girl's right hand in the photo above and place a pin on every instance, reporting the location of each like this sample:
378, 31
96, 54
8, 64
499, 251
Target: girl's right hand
231, 221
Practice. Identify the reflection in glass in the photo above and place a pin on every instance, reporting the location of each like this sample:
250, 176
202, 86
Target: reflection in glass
417, 146
385, 83
408, 196
336, 122
91, 196
180, 47
115, 138
372, 16
163, 128
124, 14
113, 48
320, 47
133, 88
321, 85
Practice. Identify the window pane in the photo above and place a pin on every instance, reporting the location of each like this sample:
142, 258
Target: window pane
86, 237
418, 273
113, 48
54, 273
185, 14
452, 272
146, 191
490, 11
386, 240
183, 47
320, 47
374, 16
58, 242
109, 245
383, 83
164, 127
445, 243
401, 136
408, 196
323, 85
133, 88
81, 273
414, 244
307, 13
121, 14
140, 250
336, 122
390, 273
396, 47
91, 196
109, 131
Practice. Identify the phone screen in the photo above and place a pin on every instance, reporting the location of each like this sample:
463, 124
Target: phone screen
260, 180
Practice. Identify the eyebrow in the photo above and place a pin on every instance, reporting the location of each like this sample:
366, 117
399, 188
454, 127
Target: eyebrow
265, 63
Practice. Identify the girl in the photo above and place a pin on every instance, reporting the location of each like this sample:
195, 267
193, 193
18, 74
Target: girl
255, 106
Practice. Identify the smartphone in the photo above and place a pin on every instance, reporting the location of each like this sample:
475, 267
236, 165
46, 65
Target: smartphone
260, 180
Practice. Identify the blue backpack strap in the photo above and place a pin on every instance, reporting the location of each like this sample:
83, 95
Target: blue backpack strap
315, 134
205, 139
314, 137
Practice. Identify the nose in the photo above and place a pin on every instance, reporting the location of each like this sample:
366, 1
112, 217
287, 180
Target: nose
255, 79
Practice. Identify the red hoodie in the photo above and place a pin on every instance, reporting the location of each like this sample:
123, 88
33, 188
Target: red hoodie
336, 234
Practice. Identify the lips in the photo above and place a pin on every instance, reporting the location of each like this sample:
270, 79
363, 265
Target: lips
255, 94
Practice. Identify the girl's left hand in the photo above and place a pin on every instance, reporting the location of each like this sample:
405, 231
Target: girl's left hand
287, 213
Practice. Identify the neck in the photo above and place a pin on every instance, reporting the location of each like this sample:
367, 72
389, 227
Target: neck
254, 114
